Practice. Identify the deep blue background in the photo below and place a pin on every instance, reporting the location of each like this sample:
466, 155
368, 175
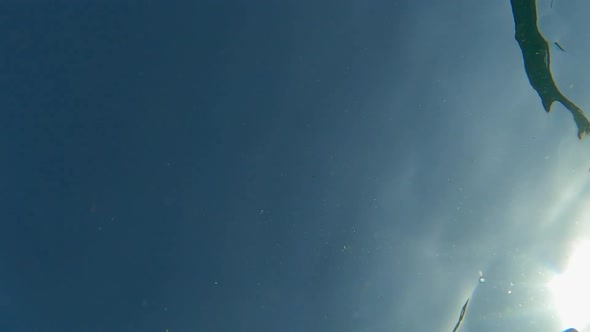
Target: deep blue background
179, 165
329, 166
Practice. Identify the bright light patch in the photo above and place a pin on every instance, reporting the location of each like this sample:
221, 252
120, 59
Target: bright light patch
571, 290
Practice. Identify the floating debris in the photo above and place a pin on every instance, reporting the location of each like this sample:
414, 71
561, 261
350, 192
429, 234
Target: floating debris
559, 46
537, 62
461, 316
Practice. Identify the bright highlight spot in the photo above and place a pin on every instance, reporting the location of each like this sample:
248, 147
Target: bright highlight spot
571, 290
481, 278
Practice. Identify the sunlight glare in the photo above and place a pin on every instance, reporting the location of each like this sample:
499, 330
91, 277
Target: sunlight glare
571, 289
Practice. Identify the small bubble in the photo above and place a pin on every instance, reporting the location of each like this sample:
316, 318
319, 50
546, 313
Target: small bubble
482, 280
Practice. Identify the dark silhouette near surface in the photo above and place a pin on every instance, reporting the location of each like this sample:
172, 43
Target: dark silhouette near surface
559, 46
537, 64
461, 316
